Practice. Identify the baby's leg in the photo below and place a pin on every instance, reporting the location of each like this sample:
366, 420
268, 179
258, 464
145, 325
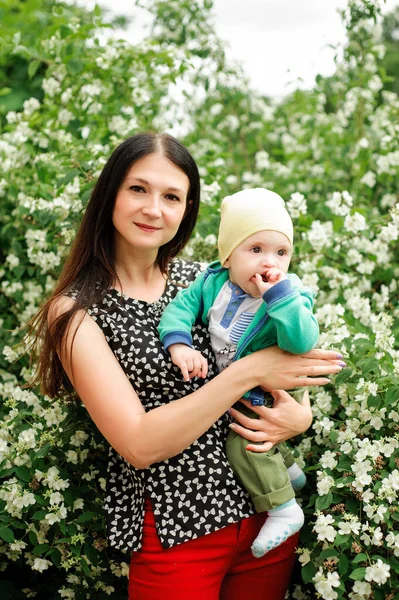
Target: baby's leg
266, 478
296, 475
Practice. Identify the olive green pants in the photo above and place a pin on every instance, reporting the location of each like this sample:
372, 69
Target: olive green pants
263, 474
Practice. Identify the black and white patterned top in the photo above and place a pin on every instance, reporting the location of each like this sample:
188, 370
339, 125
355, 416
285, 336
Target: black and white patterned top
195, 492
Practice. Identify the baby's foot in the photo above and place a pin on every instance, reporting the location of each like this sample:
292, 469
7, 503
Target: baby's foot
281, 523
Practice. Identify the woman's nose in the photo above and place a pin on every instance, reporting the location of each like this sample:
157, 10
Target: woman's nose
152, 208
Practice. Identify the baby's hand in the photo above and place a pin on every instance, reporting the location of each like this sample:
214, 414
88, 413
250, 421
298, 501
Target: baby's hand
190, 361
273, 276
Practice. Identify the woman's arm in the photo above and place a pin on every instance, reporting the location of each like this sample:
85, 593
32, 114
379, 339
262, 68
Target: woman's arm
144, 438
285, 420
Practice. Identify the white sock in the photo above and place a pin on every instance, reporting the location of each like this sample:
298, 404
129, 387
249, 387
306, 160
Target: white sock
297, 477
281, 523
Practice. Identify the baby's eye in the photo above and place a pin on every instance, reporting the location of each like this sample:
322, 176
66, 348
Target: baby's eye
256, 249
282, 252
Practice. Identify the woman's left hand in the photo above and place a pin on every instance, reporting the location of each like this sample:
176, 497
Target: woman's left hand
285, 420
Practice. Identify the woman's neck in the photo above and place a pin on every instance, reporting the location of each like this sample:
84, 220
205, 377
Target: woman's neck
140, 278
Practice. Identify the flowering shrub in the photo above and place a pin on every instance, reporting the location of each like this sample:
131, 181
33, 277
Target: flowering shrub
332, 153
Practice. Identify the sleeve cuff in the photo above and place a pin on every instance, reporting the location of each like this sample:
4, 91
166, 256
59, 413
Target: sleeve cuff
177, 337
278, 291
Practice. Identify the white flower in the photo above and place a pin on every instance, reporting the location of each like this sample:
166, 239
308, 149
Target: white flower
28, 438
56, 498
208, 192
18, 546
51, 86
30, 106
12, 260
78, 504
328, 460
361, 591
41, 564
320, 235
66, 593
324, 483
340, 203
79, 438
262, 159
72, 457
9, 354
379, 572
296, 205
324, 529
363, 143
65, 116
369, 179
324, 584
355, 223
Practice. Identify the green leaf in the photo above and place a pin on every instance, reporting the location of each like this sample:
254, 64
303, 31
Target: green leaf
87, 516
39, 515
341, 539
360, 558
367, 365
323, 502
40, 549
85, 566
358, 574
55, 556
308, 572
6, 473
392, 395
43, 451
374, 401
32, 538
328, 553
343, 565
7, 535
343, 376
91, 553
75, 66
23, 473
33, 67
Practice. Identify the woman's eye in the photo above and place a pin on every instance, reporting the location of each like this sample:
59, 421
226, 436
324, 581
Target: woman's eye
172, 197
137, 188
256, 249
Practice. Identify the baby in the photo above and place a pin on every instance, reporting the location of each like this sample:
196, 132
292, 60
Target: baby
249, 302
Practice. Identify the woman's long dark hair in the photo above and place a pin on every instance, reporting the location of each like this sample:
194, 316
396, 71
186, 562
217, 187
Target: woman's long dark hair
90, 267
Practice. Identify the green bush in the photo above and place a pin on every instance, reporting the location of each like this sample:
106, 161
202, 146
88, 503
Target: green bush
332, 152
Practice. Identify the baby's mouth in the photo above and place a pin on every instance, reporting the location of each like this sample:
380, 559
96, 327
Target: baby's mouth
264, 278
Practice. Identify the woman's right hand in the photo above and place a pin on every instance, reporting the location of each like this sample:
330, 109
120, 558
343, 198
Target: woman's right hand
280, 370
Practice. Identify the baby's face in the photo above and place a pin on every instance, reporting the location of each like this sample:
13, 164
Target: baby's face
257, 254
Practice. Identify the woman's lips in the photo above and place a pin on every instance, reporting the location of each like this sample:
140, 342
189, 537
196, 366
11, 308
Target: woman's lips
147, 228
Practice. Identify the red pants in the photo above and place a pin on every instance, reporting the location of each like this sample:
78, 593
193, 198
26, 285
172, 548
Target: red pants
217, 566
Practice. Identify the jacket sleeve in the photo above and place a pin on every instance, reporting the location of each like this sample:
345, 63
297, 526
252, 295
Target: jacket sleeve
290, 306
181, 314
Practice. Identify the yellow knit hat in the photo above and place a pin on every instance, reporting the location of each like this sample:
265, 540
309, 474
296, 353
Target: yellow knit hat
248, 212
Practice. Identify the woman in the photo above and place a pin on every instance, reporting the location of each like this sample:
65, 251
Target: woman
169, 483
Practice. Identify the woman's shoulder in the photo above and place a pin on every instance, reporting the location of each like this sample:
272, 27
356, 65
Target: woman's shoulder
185, 271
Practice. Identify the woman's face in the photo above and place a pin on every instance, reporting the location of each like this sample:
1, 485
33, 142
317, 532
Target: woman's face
150, 204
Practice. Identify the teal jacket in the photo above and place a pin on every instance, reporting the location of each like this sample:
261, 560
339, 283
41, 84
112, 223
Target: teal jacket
284, 319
